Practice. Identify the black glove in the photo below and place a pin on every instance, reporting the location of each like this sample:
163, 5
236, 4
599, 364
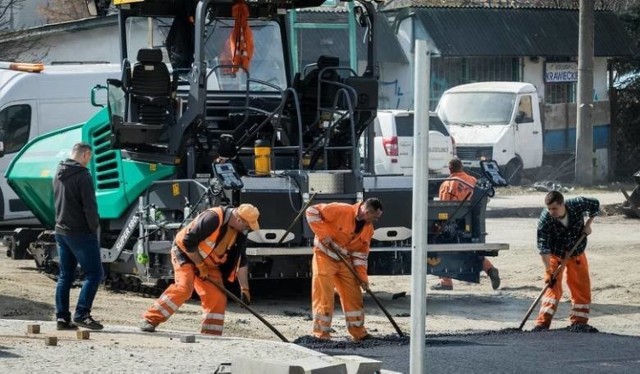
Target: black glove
245, 296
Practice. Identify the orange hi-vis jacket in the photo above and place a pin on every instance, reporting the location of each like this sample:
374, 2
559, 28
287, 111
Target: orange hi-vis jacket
213, 250
455, 190
337, 221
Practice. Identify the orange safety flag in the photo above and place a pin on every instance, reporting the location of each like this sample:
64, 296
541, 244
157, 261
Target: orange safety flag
241, 39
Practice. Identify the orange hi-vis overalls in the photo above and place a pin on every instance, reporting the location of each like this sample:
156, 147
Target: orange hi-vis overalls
214, 302
337, 222
577, 270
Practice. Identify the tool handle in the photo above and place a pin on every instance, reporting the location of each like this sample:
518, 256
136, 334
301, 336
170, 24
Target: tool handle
366, 288
233, 297
297, 218
563, 263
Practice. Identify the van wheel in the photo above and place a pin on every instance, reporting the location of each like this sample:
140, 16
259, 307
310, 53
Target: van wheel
513, 172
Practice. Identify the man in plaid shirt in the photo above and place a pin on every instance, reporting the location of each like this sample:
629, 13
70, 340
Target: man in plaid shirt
559, 228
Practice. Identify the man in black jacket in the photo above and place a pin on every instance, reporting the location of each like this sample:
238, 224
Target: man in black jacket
77, 224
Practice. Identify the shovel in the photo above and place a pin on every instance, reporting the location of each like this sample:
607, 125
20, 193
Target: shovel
229, 294
373, 296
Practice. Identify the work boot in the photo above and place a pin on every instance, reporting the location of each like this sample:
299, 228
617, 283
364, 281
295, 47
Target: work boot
366, 337
65, 324
539, 328
582, 327
442, 287
494, 275
147, 326
88, 322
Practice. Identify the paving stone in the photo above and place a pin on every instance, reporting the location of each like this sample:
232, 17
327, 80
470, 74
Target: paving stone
188, 339
33, 329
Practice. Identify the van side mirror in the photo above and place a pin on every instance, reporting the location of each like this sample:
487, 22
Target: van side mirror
520, 116
95, 101
1, 148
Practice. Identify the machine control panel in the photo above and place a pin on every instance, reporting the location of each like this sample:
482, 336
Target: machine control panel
227, 176
491, 171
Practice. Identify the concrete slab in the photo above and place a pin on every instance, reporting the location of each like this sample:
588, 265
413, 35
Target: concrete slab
360, 365
307, 365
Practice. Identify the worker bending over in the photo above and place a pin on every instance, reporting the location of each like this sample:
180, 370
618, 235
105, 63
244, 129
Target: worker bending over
559, 228
348, 229
210, 248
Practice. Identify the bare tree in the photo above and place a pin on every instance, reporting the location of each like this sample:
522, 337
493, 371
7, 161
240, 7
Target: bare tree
64, 10
14, 46
7, 10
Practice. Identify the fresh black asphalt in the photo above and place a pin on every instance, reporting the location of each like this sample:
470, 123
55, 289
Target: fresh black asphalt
555, 351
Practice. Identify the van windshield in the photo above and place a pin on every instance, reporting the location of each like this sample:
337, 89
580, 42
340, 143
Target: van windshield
487, 108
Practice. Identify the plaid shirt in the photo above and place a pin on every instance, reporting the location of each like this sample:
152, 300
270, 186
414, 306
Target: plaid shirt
554, 238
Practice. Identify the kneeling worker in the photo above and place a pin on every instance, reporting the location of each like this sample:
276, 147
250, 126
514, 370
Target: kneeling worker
211, 247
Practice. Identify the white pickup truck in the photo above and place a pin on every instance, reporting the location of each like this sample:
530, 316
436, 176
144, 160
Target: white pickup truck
495, 120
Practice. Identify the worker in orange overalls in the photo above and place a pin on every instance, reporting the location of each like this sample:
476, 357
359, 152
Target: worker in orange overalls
212, 246
348, 229
456, 188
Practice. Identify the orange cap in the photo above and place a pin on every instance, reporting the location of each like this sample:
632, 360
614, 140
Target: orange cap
249, 214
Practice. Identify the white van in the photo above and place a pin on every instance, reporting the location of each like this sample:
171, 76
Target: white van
36, 99
495, 121
393, 143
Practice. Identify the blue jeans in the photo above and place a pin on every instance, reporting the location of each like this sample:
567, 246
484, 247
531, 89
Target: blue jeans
74, 249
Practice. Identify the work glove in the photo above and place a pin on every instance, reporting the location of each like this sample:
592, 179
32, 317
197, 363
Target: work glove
548, 277
364, 286
203, 270
245, 295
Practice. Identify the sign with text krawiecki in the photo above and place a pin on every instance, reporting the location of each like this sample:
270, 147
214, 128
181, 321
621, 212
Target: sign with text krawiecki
558, 72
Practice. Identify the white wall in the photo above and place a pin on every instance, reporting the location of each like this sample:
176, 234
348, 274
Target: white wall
396, 86
600, 79
99, 44
533, 72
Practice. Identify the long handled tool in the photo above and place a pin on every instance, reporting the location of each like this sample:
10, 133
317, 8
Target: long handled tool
373, 296
297, 218
229, 294
563, 263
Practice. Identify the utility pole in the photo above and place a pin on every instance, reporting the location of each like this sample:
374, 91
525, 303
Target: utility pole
421, 78
584, 125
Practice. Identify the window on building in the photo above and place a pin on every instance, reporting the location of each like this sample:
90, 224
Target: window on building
560, 92
15, 124
555, 93
450, 72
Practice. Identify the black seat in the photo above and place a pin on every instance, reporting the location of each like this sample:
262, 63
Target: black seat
322, 71
150, 88
150, 106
